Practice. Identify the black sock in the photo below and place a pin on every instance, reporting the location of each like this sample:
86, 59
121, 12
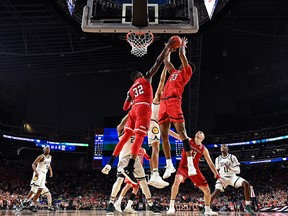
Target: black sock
186, 145
131, 163
111, 160
132, 196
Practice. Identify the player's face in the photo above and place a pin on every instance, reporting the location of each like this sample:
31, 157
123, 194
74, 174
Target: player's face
200, 135
46, 150
224, 148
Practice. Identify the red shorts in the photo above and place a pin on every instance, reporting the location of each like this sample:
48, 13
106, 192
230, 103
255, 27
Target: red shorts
139, 118
198, 179
126, 181
170, 110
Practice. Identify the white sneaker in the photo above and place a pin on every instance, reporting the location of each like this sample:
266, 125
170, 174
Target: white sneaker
191, 171
106, 169
171, 211
157, 182
168, 172
130, 210
210, 212
117, 206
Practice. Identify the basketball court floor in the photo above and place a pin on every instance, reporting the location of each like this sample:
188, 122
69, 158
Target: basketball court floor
140, 213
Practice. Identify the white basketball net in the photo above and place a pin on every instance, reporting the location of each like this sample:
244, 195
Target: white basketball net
139, 42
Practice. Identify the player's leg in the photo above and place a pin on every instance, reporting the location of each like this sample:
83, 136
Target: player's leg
46, 192
150, 207
174, 191
207, 200
115, 189
180, 128
240, 182
129, 208
124, 190
128, 132
164, 128
142, 123
40, 180
156, 179
30, 195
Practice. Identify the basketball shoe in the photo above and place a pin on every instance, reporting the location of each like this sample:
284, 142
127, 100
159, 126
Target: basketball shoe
168, 171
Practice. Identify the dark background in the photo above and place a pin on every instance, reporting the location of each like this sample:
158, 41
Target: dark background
65, 83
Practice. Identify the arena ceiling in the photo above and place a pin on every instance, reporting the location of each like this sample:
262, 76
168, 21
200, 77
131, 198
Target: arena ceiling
38, 40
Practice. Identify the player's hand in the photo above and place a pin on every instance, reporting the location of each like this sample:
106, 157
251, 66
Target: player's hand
223, 182
51, 174
184, 42
36, 174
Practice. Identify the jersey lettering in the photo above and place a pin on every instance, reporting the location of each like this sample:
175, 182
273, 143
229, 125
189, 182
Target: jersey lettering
173, 77
138, 90
193, 153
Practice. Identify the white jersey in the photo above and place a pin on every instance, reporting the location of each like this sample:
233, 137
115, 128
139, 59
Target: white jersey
155, 111
126, 150
231, 160
44, 165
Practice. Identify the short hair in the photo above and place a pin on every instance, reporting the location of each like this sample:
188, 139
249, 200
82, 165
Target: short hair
134, 75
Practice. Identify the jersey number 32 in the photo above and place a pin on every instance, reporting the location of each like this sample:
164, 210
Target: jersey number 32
138, 90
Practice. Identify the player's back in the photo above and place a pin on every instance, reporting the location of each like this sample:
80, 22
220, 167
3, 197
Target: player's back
176, 82
141, 91
43, 166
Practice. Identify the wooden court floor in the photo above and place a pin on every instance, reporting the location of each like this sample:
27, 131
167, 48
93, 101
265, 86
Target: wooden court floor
140, 213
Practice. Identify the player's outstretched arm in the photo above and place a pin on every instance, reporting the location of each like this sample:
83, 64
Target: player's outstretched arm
209, 161
120, 127
160, 86
175, 135
168, 63
182, 53
158, 61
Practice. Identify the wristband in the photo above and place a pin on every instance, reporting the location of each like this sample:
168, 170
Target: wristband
217, 176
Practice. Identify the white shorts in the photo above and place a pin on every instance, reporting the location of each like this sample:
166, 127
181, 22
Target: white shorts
234, 181
45, 191
153, 133
139, 172
38, 181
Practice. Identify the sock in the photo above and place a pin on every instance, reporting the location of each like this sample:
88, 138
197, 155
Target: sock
131, 163
172, 203
207, 208
130, 202
247, 202
120, 199
155, 170
169, 163
150, 203
111, 160
190, 161
112, 199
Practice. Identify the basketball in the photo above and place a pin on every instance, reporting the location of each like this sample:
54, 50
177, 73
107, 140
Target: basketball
176, 41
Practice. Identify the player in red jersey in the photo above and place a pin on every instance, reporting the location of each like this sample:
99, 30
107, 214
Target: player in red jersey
171, 110
140, 96
197, 150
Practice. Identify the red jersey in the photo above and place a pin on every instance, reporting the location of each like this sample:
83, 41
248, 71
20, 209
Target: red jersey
176, 82
141, 91
142, 154
197, 152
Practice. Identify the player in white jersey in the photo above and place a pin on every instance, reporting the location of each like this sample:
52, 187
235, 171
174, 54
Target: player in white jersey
228, 166
154, 136
139, 174
40, 166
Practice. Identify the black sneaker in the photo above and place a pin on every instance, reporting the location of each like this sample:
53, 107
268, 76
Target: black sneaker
25, 204
110, 209
153, 209
32, 208
51, 208
128, 173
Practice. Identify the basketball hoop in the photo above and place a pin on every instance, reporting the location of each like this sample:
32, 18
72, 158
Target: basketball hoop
139, 42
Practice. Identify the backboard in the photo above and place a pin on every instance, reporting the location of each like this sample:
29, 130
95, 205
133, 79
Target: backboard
164, 16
